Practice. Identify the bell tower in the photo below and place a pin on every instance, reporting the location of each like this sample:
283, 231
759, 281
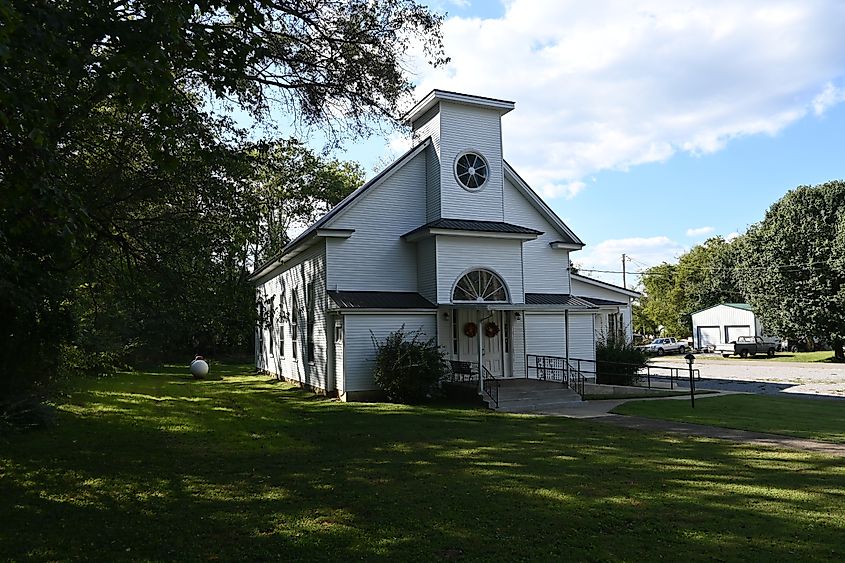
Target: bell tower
464, 167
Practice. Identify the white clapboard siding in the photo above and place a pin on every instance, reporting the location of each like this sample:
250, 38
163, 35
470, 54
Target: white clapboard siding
458, 254
308, 266
338, 327
545, 335
359, 352
546, 268
583, 289
375, 257
518, 346
428, 125
427, 269
465, 128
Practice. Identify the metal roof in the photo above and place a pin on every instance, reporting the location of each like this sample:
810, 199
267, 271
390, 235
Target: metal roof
557, 299
472, 225
602, 302
380, 300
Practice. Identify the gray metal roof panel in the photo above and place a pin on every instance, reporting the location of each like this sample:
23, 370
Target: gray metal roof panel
557, 299
472, 225
601, 302
380, 300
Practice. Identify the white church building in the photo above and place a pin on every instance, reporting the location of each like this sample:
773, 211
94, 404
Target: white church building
448, 240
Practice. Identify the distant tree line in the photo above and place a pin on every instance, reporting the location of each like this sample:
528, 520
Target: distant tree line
130, 212
790, 267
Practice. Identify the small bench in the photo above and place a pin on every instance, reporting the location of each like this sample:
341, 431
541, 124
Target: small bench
462, 371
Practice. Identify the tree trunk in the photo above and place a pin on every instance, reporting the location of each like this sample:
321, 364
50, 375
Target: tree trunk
838, 350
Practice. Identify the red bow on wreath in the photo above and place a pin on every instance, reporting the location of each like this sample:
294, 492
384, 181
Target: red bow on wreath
470, 329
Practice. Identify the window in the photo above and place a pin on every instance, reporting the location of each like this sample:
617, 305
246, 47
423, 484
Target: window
282, 325
311, 298
272, 325
480, 285
471, 170
294, 323
611, 325
338, 330
455, 331
259, 330
507, 331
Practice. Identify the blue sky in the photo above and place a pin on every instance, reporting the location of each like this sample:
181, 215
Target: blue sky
650, 126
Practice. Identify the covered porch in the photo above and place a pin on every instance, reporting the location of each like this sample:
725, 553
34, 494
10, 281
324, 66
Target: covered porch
545, 339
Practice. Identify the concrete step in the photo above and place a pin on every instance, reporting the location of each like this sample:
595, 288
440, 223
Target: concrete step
537, 402
539, 393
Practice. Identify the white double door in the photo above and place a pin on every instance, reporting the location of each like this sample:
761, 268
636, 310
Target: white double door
496, 358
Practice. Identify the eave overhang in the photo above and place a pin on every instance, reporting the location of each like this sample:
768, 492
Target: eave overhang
436, 96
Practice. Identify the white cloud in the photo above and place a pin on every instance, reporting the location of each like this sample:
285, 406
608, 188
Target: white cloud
699, 231
731, 236
611, 84
606, 257
827, 98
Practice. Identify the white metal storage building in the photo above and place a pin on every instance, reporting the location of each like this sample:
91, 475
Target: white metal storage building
721, 324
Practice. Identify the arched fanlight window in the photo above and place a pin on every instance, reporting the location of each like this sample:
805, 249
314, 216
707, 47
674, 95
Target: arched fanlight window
480, 285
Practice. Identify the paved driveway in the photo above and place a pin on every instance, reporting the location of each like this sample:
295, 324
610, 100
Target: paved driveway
763, 376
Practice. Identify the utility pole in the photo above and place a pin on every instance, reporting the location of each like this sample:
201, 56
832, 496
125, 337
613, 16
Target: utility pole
624, 284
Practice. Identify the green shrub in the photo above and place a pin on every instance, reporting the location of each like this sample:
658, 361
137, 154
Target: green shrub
75, 361
618, 361
408, 368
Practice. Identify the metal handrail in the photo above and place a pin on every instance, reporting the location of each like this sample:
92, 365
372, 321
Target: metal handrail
491, 385
556, 368
551, 365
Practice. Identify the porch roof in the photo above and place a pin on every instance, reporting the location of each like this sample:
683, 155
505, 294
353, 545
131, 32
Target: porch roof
491, 228
604, 302
558, 299
380, 300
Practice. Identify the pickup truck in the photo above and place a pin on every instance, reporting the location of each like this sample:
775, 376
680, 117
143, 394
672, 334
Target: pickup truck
745, 346
662, 346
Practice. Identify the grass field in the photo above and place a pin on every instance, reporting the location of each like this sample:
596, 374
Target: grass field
825, 356
155, 466
814, 418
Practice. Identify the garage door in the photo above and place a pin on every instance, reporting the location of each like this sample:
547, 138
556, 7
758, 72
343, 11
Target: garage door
734, 332
708, 336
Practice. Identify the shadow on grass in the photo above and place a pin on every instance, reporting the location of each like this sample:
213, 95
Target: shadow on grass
151, 467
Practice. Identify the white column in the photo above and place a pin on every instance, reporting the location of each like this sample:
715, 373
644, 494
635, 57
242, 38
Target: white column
479, 334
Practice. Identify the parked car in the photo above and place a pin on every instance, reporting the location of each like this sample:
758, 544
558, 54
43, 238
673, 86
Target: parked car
662, 346
745, 346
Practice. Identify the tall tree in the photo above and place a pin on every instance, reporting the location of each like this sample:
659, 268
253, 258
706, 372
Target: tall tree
76, 74
703, 277
792, 264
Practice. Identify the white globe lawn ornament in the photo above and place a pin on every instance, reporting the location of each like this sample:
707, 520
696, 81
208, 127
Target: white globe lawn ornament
199, 368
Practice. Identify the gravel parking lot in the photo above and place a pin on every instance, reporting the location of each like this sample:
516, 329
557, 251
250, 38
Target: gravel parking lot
762, 376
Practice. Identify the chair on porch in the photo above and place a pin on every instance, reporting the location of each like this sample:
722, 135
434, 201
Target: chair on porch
463, 371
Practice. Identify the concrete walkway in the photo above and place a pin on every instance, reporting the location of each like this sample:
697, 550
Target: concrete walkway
600, 411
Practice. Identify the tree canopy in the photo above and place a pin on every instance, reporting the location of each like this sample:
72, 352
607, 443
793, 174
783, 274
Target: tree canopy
121, 187
703, 277
791, 265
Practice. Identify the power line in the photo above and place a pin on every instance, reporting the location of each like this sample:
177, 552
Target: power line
795, 267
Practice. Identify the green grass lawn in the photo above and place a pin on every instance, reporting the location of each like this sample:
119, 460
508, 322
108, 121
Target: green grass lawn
152, 466
825, 356
806, 418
